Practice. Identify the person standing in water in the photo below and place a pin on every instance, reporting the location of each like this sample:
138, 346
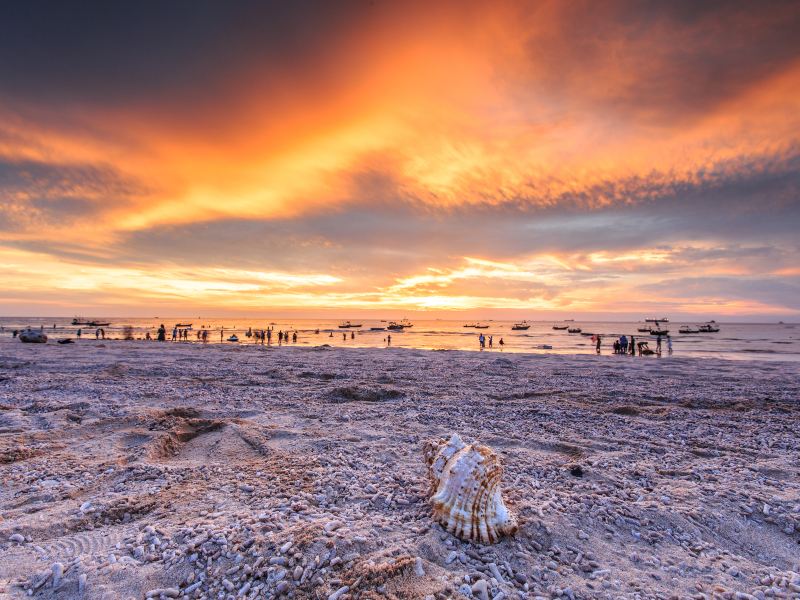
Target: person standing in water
502, 343
598, 343
491, 341
669, 345
658, 345
389, 340
161, 334
633, 346
294, 336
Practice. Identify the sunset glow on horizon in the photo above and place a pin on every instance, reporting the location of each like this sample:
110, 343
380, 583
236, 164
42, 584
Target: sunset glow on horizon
531, 159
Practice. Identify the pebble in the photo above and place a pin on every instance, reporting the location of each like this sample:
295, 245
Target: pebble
339, 593
480, 589
18, 538
58, 571
419, 569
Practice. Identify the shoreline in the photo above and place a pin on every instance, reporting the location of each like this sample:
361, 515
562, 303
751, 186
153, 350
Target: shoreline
300, 473
495, 351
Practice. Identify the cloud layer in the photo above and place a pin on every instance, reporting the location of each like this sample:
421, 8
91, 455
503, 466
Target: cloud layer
532, 157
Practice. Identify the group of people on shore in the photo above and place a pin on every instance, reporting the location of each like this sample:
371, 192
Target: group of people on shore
482, 340
624, 346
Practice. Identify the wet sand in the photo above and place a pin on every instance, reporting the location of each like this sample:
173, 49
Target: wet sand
131, 469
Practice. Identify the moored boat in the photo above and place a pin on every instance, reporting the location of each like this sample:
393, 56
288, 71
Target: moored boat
653, 320
521, 326
480, 326
659, 331
688, 329
708, 328
394, 326
560, 327
348, 325
574, 330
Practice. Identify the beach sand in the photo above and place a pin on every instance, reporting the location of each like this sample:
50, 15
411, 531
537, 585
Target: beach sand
243, 471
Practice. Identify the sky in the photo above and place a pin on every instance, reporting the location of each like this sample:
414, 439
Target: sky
365, 157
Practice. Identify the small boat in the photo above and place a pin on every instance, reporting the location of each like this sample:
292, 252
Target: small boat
480, 326
348, 325
687, 329
97, 324
79, 321
184, 325
659, 331
663, 320
522, 326
574, 330
32, 336
406, 323
377, 328
560, 327
587, 333
469, 325
233, 338
393, 326
544, 347
708, 328
643, 330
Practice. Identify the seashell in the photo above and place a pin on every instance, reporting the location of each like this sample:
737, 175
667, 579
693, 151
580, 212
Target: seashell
465, 490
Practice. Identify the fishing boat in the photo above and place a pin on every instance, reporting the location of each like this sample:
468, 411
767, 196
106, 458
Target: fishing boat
560, 327
406, 323
97, 324
184, 325
643, 330
79, 321
544, 347
662, 320
659, 331
348, 325
574, 330
233, 338
480, 326
708, 328
521, 326
394, 326
688, 329
469, 325
377, 328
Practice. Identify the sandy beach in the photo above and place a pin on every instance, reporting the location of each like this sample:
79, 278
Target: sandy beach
135, 469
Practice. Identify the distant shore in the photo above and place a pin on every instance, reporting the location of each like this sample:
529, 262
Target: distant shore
191, 471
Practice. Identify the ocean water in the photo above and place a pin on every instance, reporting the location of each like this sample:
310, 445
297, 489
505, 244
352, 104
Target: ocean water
742, 341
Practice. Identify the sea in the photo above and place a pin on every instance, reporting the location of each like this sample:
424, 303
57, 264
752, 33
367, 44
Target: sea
738, 341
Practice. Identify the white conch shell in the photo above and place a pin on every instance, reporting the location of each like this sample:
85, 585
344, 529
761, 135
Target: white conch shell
465, 488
